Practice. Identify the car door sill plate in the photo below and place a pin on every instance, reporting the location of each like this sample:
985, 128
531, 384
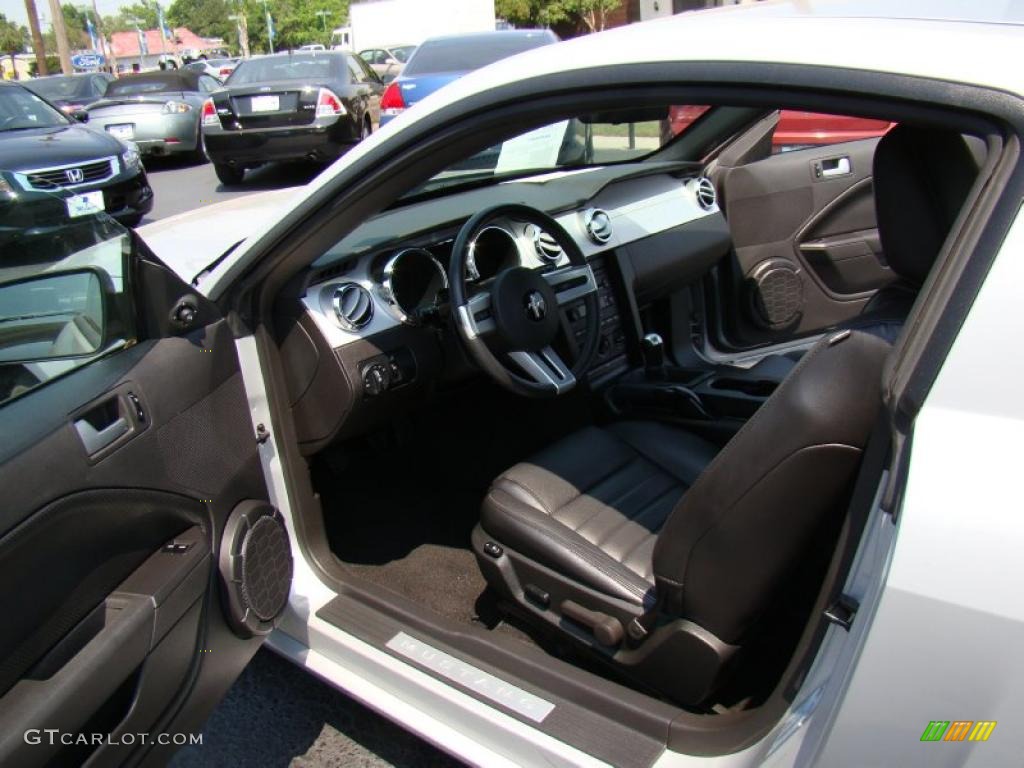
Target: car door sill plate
482, 683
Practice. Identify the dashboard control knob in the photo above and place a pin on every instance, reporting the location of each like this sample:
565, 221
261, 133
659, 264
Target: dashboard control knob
376, 379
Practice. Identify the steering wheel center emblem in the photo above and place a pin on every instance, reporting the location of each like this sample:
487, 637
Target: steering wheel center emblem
536, 306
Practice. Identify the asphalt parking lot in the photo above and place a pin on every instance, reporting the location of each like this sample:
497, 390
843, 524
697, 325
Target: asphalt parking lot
180, 185
275, 714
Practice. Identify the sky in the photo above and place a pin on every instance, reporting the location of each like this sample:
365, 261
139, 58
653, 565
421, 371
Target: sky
15, 9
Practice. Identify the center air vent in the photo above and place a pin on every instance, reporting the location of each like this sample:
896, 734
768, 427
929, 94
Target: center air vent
352, 306
546, 246
704, 191
599, 225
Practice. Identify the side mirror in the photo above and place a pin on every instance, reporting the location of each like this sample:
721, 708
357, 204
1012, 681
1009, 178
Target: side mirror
54, 316
80, 115
391, 62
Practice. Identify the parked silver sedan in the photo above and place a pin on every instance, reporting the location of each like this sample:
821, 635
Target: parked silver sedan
159, 111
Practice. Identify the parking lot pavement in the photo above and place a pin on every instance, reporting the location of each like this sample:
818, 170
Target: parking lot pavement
180, 185
278, 715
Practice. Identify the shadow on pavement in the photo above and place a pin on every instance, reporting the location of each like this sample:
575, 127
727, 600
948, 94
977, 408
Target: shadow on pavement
276, 714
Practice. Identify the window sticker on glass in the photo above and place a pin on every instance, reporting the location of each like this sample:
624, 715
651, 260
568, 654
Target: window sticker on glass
536, 149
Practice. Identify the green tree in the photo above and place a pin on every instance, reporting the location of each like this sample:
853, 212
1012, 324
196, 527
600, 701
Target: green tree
12, 40
592, 14
207, 18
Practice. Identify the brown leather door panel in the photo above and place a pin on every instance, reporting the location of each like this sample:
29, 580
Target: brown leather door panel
807, 254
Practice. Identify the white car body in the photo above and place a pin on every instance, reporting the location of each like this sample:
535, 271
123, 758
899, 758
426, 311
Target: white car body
941, 621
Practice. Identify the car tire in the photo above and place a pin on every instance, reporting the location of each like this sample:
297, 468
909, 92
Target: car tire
229, 175
198, 155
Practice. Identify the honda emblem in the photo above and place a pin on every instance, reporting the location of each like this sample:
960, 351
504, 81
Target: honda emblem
75, 175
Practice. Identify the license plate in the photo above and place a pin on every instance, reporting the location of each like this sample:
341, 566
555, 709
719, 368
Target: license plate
265, 103
123, 131
85, 203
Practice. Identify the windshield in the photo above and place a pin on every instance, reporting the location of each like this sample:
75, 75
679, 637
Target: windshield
587, 141
464, 54
294, 67
65, 88
20, 110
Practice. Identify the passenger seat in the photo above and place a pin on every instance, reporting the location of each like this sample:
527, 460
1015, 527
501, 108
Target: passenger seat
922, 177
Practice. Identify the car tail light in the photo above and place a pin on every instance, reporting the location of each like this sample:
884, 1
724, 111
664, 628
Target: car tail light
392, 102
210, 113
176, 108
69, 108
225, 71
328, 104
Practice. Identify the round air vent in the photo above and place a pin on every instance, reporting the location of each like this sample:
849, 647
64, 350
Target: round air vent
705, 193
352, 306
546, 246
598, 225
776, 293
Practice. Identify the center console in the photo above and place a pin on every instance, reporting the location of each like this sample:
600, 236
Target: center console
719, 394
611, 357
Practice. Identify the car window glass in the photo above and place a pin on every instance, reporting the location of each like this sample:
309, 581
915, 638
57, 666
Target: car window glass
136, 86
207, 84
355, 69
64, 283
466, 54
307, 66
21, 110
370, 56
798, 130
403, 52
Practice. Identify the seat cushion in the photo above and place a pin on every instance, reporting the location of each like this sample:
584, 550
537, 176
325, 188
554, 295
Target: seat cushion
590, 506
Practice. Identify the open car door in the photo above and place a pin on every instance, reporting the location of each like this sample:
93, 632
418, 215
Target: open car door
141, 562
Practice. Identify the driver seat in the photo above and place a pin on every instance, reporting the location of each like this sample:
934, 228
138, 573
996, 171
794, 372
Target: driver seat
660, 556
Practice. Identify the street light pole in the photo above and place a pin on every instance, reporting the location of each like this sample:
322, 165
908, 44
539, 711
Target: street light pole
61, 33
323, 17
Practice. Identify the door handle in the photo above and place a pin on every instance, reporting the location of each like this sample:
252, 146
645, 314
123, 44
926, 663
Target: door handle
835, 166
105, 422
95, 440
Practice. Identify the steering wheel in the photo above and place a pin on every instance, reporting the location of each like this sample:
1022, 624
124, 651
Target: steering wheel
518, 315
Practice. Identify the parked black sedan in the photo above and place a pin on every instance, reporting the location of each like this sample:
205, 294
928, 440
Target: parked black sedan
291, 106
54, 169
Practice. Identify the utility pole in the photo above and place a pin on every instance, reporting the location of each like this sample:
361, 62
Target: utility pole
37, 37
61, 33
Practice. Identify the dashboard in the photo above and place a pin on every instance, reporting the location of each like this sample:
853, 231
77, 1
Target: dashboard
370, 331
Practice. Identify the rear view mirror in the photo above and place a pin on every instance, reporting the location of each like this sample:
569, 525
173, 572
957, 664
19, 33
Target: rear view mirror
53, 316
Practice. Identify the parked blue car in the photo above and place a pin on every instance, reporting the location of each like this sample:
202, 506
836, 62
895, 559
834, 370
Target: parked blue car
440, 60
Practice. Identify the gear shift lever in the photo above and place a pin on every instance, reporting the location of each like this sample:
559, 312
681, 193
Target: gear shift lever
653, 349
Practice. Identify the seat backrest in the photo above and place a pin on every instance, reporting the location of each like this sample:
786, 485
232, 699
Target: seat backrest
736, 535
922, 177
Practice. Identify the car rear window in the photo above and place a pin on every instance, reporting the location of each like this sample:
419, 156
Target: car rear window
294, 67
64, 88
469, 53
184, 80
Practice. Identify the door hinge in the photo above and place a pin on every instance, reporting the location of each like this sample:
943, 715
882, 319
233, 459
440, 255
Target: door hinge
262, 434
842, 612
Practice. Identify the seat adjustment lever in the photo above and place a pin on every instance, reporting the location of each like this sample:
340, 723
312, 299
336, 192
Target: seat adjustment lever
607, 630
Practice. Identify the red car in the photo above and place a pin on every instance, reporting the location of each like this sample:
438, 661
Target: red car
798, 129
